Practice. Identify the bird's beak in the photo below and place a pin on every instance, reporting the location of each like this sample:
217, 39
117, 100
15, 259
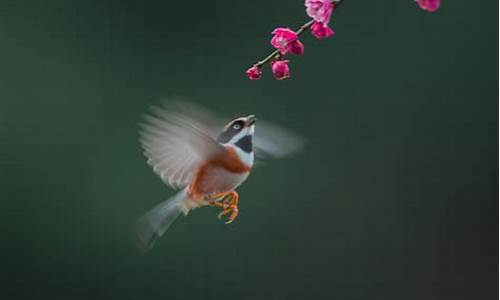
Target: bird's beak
250, 120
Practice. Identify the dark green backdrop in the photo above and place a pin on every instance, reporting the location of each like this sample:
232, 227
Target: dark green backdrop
395, 196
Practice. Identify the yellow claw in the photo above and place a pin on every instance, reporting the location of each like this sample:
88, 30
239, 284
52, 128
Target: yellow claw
229, 205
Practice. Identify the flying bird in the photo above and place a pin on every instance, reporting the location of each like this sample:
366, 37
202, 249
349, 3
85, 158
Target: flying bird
193, 151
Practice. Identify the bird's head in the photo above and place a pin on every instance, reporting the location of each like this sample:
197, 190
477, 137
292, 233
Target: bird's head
239, 133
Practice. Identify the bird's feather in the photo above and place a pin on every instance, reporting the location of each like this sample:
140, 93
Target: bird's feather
271, 140
175, 144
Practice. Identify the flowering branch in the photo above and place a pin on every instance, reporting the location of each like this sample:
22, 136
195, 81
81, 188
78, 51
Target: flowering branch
276, 53
285, 40
304, 27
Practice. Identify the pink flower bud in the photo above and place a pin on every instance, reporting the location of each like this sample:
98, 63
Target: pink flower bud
429, 5
282, 39
297, 48
254, 73
280, 69
321, 31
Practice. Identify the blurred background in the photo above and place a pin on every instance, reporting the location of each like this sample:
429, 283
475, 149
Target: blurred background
395, 196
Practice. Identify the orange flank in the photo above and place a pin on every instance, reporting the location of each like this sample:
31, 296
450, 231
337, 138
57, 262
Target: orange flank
232, 162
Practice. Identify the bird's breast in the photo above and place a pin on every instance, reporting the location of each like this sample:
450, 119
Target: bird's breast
219, 175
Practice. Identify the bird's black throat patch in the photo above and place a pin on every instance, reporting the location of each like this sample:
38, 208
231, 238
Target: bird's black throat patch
245, 143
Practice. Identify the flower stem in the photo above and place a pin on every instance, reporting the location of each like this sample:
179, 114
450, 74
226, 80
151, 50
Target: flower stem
276, 53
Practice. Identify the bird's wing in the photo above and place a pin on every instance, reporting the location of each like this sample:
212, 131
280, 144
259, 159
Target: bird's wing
176, 139
273, 141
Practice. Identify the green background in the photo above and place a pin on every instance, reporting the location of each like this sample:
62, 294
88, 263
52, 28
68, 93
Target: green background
394, 197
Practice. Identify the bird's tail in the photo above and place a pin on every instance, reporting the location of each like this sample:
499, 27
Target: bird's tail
153, 224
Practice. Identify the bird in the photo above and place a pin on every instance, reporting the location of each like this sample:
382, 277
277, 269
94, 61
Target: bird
191, 150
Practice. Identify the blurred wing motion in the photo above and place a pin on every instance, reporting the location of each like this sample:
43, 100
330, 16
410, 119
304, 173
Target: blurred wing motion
175, 141
179, 136
271, 140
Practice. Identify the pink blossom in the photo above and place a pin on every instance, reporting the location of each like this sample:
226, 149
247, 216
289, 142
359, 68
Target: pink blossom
297, 48
254, 73
282, 39
429, 5
280, 69
319, 10
321, 31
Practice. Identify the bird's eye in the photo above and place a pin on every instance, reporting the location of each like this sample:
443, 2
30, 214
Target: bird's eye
236, 126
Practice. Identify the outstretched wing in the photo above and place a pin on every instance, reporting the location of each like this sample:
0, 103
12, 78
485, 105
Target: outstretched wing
274, 141
176, 139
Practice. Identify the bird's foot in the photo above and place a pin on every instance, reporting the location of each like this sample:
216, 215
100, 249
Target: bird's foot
229, 204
